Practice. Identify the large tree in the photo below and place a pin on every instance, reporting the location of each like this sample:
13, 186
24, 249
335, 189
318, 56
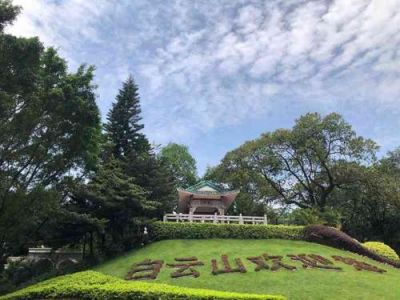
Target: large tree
123, 127
114, 198
180, 162
371, 206
126, 142
49, 130
303, 165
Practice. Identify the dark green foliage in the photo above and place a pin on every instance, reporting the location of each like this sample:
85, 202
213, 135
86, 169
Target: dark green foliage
371, 206
94, 285
251, 200
8, 13
48, 131
335, 238
27, 272
303, 165
115, 198
180, 163
154, 177
306, 216
49, 127
173, 230
123, 123
126, 143
20, 272
130, 187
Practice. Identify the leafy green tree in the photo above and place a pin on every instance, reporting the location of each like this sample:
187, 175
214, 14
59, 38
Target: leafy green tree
49, 130
129, 145
153, 176
114, 198
8, 13
371, 205
123, 127
180, 163
303, 165
390, 164
251, 199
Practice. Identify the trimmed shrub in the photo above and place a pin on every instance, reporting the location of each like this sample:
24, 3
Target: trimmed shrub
382, 249
174, 230
335, 238
95, 285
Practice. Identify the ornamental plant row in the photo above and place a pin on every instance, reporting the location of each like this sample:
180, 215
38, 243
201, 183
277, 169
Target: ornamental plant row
95, 285
174, 230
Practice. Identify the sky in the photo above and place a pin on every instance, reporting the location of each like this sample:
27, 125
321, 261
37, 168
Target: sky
214, 74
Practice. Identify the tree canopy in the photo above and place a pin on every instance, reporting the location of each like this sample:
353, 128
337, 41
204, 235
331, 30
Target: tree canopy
302, 165
49, 131
180, 163
123, 127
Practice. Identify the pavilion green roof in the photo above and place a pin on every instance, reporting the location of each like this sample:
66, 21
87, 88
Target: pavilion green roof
203, 183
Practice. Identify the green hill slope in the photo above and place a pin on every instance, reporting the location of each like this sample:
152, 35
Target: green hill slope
302, 283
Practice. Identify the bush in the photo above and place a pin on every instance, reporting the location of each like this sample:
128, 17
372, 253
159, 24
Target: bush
19, 272
6, 286
382, 249
174, 230
94, 285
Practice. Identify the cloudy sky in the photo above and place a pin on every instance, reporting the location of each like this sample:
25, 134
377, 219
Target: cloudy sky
213, 74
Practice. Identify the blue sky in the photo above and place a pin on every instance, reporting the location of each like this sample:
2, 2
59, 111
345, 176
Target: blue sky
213, 74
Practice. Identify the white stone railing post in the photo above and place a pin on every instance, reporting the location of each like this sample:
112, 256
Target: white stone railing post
216, 218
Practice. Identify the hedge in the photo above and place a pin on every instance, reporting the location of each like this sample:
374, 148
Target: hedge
175, 230
382, 249
95, 285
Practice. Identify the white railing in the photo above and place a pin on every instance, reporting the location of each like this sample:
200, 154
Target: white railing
215, 219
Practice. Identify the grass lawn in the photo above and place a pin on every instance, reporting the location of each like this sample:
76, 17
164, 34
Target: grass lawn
298, 284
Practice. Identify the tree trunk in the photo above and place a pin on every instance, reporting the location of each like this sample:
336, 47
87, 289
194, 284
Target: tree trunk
91, 244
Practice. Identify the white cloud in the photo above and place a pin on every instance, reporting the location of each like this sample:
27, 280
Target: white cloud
318, 45
208, 64
67, 25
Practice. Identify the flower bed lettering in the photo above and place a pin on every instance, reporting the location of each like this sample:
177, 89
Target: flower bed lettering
147, 269
186, 266
358, 265
314, 261
227, 267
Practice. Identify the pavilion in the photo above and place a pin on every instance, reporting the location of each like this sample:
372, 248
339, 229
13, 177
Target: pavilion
205, 198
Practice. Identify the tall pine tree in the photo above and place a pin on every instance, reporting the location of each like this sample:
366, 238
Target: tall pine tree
126, 143
123, 123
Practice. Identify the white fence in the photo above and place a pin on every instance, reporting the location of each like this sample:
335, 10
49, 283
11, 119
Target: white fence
216, 219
